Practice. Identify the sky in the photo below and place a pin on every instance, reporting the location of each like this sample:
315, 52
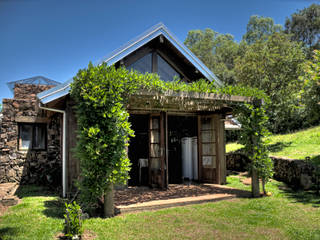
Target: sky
56, 38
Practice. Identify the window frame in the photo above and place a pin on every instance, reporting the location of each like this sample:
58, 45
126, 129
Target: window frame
33, 133
154, 62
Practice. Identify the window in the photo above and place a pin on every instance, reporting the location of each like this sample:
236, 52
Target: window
32, 136
165, 71
162, 67
142, 65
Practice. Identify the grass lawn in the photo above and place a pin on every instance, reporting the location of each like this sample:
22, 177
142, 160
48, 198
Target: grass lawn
285, 215
296, 145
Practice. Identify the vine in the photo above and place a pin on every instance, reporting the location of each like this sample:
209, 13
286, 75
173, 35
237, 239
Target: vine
102, 93
254, 121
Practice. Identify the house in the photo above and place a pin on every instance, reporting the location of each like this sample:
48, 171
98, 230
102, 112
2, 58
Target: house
169, 127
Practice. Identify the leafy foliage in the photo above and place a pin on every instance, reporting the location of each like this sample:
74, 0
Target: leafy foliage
254, 121
311, 91
216, 50
274, 66
103, 127
260, 28
304, 25
73, 222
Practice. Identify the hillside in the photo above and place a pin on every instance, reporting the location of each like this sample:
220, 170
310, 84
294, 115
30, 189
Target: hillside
297, 145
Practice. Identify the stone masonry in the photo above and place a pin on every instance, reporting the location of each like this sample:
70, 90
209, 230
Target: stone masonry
28, 166
296, 173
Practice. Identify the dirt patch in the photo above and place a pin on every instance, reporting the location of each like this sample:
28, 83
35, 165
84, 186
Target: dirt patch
3, 209
246, 181
133, 195
272, 233
86, 235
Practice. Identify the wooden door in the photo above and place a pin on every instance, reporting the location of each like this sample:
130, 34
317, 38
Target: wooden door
157, 154
208, 166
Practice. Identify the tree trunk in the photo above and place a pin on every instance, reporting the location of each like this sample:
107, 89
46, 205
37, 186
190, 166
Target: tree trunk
109, 202
264, 186
255, 188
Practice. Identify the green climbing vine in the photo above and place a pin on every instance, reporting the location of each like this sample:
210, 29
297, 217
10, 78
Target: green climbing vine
254, 131
101, 94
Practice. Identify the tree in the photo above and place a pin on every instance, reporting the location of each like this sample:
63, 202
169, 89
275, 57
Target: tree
274, 66
103, 130
217, 51
260, 28
311, 91
254, 120
304, 26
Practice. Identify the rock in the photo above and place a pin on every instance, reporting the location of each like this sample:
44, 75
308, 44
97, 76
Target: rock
10, 201
11, 174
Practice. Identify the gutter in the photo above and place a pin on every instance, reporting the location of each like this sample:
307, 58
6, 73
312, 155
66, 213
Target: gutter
64, 140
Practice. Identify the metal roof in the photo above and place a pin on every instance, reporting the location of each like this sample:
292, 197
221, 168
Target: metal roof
37, 80
115, 56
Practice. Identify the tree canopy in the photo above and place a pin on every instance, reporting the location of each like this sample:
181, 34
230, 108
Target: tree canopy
260, 28
304, 25
311, 91
267, 58
216, 50
274, 66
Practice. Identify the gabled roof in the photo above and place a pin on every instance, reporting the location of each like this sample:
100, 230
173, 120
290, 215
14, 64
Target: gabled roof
36, 80
125, 50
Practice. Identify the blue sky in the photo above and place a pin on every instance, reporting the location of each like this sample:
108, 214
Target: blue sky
57, 38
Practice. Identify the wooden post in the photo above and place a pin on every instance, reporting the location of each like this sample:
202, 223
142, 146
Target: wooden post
216, 121
109, 202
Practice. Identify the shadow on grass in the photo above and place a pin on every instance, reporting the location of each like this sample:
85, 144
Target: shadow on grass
277, 147
302, 196
315, 160
35, 191
53, 208
8, 231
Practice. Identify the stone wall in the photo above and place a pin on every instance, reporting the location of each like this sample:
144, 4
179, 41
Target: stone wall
31, 166
237, 162
297, 173
29, 91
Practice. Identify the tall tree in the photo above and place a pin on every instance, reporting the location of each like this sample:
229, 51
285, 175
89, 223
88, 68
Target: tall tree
304, 25
274, 66
260, 28
311, 91
217, 51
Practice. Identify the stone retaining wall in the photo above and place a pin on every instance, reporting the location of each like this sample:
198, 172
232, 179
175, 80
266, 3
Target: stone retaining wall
28, 166
237, 162
297, 173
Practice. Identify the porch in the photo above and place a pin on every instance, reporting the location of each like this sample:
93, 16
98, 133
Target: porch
136, 199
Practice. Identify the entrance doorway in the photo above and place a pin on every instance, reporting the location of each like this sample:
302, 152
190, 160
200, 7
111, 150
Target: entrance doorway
182, 149
138, 151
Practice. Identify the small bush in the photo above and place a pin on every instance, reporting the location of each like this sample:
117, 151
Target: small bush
73, 222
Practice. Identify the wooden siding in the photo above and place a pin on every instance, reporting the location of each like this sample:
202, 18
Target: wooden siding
73, 164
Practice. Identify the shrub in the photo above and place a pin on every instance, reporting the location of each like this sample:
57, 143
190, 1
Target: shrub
73, 222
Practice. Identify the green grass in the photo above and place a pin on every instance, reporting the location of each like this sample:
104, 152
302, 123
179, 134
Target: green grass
298, 145
284, 215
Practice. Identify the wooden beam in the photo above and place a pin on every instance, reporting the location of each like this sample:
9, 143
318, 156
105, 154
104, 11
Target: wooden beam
195, 95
